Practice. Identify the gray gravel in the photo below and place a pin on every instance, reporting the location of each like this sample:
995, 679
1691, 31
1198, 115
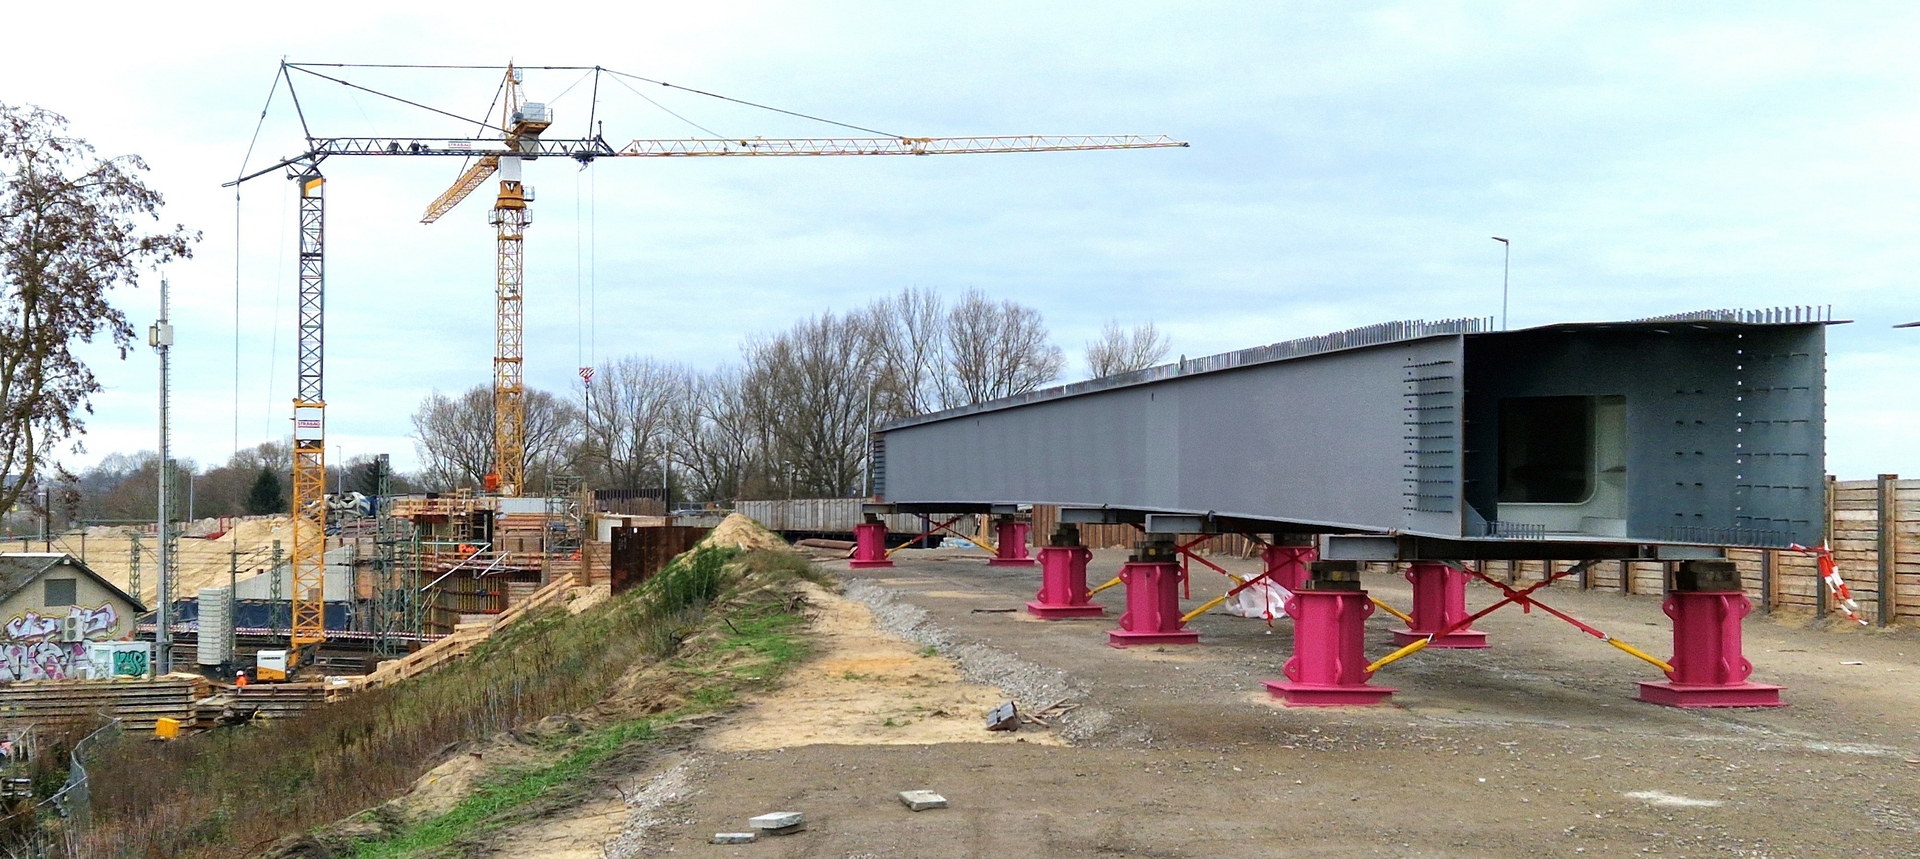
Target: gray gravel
1029, 684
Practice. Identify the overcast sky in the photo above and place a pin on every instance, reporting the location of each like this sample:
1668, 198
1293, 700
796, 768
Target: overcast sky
1349, 163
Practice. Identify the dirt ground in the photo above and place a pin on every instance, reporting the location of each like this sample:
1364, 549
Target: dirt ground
1533, 747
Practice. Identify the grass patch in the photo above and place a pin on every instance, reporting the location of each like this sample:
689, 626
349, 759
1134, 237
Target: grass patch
492, 805
713, 622
755, 640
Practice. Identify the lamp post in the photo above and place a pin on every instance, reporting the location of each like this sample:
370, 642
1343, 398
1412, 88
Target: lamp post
1506, 267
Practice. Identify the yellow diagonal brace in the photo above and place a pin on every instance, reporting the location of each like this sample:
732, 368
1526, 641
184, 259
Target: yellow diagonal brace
1189, 616
1635, 651
1400, 654
1404, 617
1114, 581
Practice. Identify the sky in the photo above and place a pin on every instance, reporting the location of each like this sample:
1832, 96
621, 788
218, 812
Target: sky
1349, 162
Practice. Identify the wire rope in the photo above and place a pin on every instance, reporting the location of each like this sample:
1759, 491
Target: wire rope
667, 109
754, 104
244, 161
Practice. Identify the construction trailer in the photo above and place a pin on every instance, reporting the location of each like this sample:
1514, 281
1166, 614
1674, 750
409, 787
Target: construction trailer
1433, 443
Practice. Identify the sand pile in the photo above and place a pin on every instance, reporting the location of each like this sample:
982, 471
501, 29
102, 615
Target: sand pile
740, 532
107, 549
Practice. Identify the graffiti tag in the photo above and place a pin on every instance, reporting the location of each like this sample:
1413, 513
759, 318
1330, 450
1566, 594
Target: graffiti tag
129, 663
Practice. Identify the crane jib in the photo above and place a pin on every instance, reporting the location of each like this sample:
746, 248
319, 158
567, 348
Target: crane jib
701, 146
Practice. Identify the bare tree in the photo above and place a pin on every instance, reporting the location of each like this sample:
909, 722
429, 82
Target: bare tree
70, 231
996, 349
1119, 350
552, 437
626, 413
806, 390
908, 337
454, 437
713, 440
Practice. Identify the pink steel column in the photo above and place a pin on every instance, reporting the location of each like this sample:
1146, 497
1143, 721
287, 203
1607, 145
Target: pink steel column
1063, 578
1287, 565
1706, 605
1152, 579
1329, 664
1439, 601
1012, 548
869, 546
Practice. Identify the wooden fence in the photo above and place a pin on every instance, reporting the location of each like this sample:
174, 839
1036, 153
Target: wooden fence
1871, 528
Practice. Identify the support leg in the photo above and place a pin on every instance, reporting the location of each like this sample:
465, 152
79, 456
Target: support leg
1011, 550
1152, 579
1329, 664
1287, 565
1063, 578
1707, 605
869, 546
1439, 602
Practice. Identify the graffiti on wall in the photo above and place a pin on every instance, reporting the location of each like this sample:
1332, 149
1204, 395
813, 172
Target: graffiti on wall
33, 649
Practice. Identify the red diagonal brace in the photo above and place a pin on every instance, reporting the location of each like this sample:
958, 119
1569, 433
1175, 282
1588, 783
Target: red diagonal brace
1527, 603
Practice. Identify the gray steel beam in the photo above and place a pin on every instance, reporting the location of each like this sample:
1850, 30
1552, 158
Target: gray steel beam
1702, 429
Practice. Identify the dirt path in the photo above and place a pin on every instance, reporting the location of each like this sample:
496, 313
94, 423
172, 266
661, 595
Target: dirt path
1531, 748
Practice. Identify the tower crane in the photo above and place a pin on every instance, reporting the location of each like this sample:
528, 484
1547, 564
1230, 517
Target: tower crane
521, 125
517, 136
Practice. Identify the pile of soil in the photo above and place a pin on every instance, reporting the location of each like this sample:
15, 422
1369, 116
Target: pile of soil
739, 532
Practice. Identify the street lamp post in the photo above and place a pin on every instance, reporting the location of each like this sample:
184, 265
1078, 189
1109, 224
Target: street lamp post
1506, 267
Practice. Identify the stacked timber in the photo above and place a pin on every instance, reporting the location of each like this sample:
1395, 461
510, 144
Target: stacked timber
464, 638
284, 700
137, 703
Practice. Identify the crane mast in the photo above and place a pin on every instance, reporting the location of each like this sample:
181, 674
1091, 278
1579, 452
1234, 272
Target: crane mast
308, 564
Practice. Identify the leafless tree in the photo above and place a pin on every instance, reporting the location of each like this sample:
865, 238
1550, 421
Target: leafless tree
454, 437
908, 337
71, 230
626, 414
713, 441
1119, 350
806, 389
996, 349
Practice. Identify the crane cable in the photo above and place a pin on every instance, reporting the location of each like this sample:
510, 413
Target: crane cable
251, 143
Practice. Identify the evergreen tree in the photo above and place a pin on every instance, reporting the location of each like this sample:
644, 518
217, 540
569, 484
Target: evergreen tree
265, 497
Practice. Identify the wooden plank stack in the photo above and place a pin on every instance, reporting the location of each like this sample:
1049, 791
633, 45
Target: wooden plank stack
136, 702
464, 639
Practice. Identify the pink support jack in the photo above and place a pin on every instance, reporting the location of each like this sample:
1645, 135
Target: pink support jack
1329, 664
1063, 579
1152, 580
869, 546
1439, 601
1707, 605
1011, 550
1287, 565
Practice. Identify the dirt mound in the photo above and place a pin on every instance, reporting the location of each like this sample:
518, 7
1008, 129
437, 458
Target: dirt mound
740, 532
202, 560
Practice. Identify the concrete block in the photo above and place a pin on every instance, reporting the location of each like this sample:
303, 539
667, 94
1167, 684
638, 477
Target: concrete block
921, 800
733, 837
779, 823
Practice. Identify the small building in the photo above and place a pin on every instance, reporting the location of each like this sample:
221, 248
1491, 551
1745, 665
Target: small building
53, 605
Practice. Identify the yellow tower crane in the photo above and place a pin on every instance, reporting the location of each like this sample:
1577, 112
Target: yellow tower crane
515, 137
521, 124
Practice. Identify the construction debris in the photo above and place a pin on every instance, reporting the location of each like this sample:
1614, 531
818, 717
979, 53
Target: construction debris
921, 800
779, 822
733, 837
1005, 717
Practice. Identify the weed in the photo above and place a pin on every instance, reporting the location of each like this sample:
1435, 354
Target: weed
929, 652
252, 784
